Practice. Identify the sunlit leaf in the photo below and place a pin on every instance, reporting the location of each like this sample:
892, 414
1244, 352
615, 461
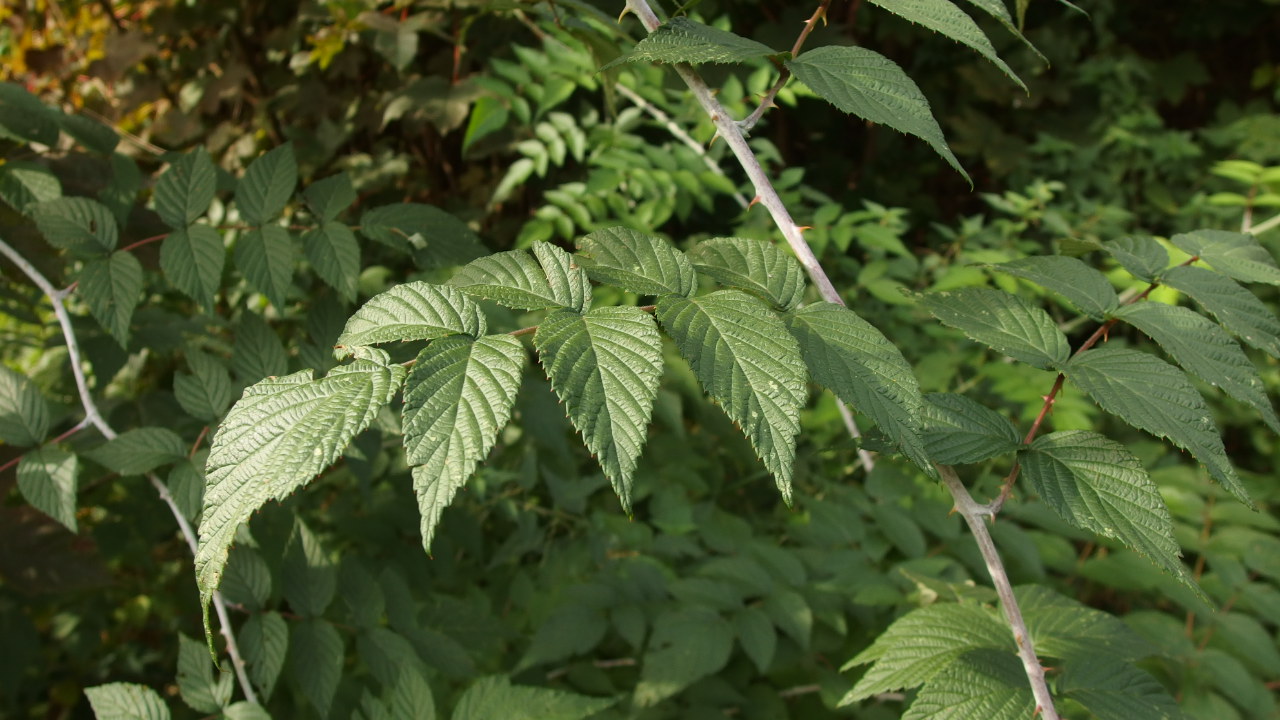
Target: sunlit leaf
682, 40
184, 191
192, 260
756, 266
640, 263
47, 478
413, 311
267, 185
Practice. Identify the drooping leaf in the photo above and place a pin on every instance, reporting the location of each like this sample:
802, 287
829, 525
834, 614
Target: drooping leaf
1005, 322
1204, 350
495, 697
205, 392
633, 261
756, 266
24, 413
922, 643
514, 279
83, 226
91, 134
1112, 690
757, 636
1236, 255
1237, 309
1086, 289
439, 238
264, 640
24, 118
327, 198
139, 450
192, 260
334, 253
979, 684
315, 662
854, 360
682, 40
184, 191
196, 683
258, 351
126, 701
308, 574
413, 311
605, 367
873, 87
687, 645
282, 433
457, 398
943, 17
267, 185
1142, 256
1096, 484
265, 257
1152, 395
111, 287
998, 10
23, 185
959, 431
47, 478
1062, 627
745, 359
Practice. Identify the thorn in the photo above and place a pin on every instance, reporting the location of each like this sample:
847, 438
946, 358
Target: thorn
802, 228
714, 138
953, 511
625, 9
754, 200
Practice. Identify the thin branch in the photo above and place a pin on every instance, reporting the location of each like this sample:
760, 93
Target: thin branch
94, 417
973, 512
784, 74
74, 429
1268, 224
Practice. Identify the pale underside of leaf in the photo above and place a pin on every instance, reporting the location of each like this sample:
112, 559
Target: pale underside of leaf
682, 40
640, 263
943, 17
1005, 322
755, 266
413, 311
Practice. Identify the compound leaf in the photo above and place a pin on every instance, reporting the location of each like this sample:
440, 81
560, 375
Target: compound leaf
327, 198
1096, 484
184, 191
192, 260
873, 87
413, 311
1005, 322
334, 253
959, 431
126, 701
854, 360
140, 450
744, 357
756, 266
83, 226
265, 257
495, 697
282, 433
980, 684
267, 185
47, 478
682, 40
942, 17
633, 261
24, 413
687, 645
1237, 309
605, 366
1204, 350
1142, 256
1152, 395
457, 398
1236, 255
1086, 289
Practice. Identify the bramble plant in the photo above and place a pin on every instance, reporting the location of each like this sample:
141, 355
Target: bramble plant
429, 387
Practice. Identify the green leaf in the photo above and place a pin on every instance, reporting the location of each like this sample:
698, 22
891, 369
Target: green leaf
495, 697
791, 613
308, 575
440, 238
854, 360
998, 10
24, 413
413, 311
457, 398
258, 350
1204, 350
265, 257
267, 185
245, 710
139, 450
1236, 255
1086, 289
1112, 690
93, 135
873, 87
745, 359
1065, 628
1096, 484
1142, 256
111, 287
83, 226
1236, 308
605, 367
572, 629
184, 191
264, 640
47, 478
488, 115
333, 252
327, 198
639, 263
942, 17
410, 697
192, 260
282, 433
24, 118
26, 184
248, 579
186, 485
980, 684
922, 643
315, 662
195, 678
1152, 395
205, 392
960, 431
757, 636
1005, 322
513, 279
682, 40
126, 701
687, 645
756, 266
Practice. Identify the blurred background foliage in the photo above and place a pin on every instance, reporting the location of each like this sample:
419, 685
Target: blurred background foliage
494, 112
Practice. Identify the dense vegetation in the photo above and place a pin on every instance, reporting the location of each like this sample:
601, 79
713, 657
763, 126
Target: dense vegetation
650, 505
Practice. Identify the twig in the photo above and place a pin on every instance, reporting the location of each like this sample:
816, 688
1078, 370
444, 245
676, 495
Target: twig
972, 511
1265, 225
94, 417
784, 74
